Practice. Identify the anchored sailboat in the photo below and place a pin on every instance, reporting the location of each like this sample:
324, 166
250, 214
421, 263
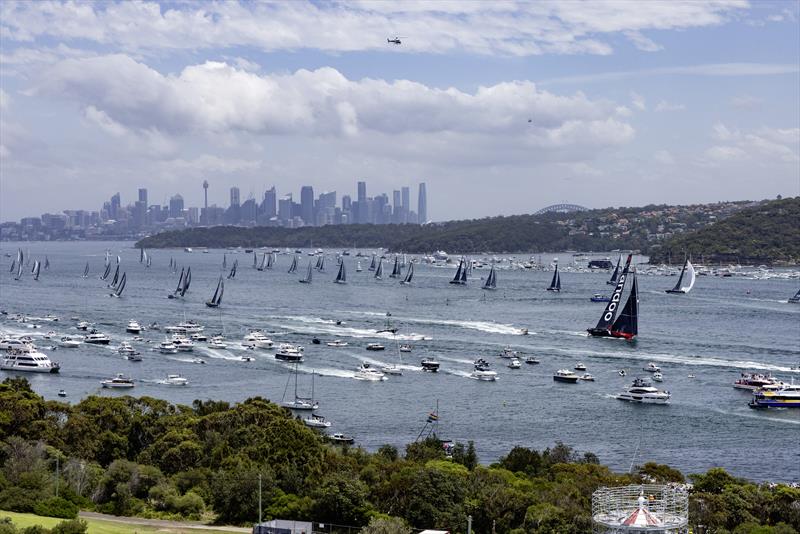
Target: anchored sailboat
300, 403
216, 300
555, 284
307, 279
409, 275
615, 274
627, 324
341, 276
686, 281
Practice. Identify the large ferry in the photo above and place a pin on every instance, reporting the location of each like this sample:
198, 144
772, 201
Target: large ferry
787, 396
28, 359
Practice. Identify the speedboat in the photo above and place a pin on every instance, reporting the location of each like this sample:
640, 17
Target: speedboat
199, 337
565, 375
217, 342
83, 325
257, 340
368, 373
62, 393
514, 363
405, 348
133, 327
316, 421
599, 297
586, 377
28, 359
580, 366
658, 377
126, 349
430, 365
183, 344
337, 343
785, 396
642, 391
199, 360
392, 370
338, 437
176, 380
96, 338
375, 346
481, 371
118, 382
69, 343
167, 347
621, 372
508, 352
532, 360
289, 353
651, 368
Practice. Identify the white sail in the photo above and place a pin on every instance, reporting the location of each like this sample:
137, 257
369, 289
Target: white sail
688, 278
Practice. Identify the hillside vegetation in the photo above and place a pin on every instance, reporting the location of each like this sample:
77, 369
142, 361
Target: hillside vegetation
767, 233
144, 456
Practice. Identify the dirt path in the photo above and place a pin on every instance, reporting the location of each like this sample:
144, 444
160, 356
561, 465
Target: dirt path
194, 525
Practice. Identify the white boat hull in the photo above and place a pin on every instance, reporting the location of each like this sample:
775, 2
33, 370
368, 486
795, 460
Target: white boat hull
643, 399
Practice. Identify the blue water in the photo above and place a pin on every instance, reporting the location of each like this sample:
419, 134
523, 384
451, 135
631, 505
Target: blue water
715, 333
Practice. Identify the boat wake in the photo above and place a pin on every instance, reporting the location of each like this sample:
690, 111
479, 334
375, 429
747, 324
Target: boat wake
218, 354
324, 327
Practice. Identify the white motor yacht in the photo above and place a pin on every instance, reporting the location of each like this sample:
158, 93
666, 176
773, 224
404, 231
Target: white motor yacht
532, 360
369, 373
217, 342
337, 343
316, 421
191, 327
642, 391
289, 353
28, 359
482, 371
586, 377
69, 343
183, 344
96, 338
83, 325
514, 363
375, 346
658, 377
508, 352
176, 380
9, 342
167, 347
565, 375
392, 369
257, 340
133, 327
580, 366
118, 382
338, 437
651, 368
126, 349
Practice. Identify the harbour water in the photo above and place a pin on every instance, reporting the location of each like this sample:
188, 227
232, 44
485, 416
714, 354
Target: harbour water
725, 326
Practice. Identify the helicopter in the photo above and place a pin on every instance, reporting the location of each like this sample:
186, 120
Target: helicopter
396, 40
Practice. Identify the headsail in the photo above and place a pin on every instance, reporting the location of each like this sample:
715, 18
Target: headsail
686, 280
409, 275
555, 283
612, 308
627, 324
491, 280
341, 276
615, 275
379, 270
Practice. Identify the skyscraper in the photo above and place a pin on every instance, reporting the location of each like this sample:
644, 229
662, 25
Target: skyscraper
176, 206
406, 204
113, 210
307, 204
397, 206
285, 208
269, 206
363, 210
143, 195
422, 206
234, 196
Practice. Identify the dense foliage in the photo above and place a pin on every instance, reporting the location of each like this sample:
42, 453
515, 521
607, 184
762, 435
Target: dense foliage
144, 456
766, 233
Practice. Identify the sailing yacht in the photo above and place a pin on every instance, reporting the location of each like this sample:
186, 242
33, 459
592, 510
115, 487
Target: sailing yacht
232, 274
37, 267
686, 280
372, 264
300, 403
341, 276
409, 275
491, 280
615, 274
293, 266
316, 421
216, 300
379, 270
625, 326
307, 279
555, 284
86, 271
461, 274
796, 298
396, 268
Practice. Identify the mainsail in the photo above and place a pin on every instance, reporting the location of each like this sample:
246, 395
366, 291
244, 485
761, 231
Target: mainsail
491, 280
461, 274
372, 265
615, 275
409, 275
627, 324
86, 270
293, 266
307, 279
116, 277
396, 269
107, 271
121, 287
341, 276
603, 327
263, 262
180, 282
216, 300
379, 270
186, 281
37, 266
46, 262
686, 280
232, 274
555, 283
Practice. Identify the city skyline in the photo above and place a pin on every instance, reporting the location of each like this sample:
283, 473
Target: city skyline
506, 106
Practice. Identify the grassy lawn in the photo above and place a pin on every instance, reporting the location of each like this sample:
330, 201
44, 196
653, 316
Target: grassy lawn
99, 527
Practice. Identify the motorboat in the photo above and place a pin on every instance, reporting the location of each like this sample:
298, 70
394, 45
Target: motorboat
289, 353
481, 371
127, 349
248, 359
532, 360
8, 343
257, 340
658, 377
368, 373
316, 421
392, 370
182, 344
338, 437
28, 359
83, 325
199, 337
316, 341
514, 363
217, 342
690, 375
580, 366
375, 346
62, 393
642, 391
430, 364
754, 381
167, 347
565, 375
651, 368
175, 380
118, 382
599, 297
190, 327
337, 343
199, 360
405, 348
586, 377
96, 338
69, 343
508, 352
785, 396
622, 372
133, 327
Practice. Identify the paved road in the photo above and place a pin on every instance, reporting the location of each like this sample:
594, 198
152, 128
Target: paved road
193, 525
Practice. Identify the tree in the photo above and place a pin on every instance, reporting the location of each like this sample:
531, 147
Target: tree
341, 499
386, 525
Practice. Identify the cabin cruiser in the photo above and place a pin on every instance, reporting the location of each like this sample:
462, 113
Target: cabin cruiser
83, 325
62, 393
191, 327
69, 343
133, 327
217, 342
337, 343
257, 340
430, 365
375, 346
580, 366
651, 368
508, 352
316, 421
532, 360
96, 338
405, 348
167, 347
392, 370
785, 396
181, 343
338, 437
368, 373
8, 343
586, 377
753, 381
599, 297
28, 359
118, 382
199, 360
643, 391
199, 337
565, 375
126, 349
514, 363
481, 371
176, 380
289, 353
658, 377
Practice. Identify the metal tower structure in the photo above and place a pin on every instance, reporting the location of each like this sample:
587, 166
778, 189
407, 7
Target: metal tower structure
644, 509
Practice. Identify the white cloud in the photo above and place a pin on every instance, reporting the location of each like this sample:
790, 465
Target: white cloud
493, 28
663, 105
710, 69
664, 157
764, 145
637, 101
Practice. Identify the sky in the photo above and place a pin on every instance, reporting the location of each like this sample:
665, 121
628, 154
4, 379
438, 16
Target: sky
501, 107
